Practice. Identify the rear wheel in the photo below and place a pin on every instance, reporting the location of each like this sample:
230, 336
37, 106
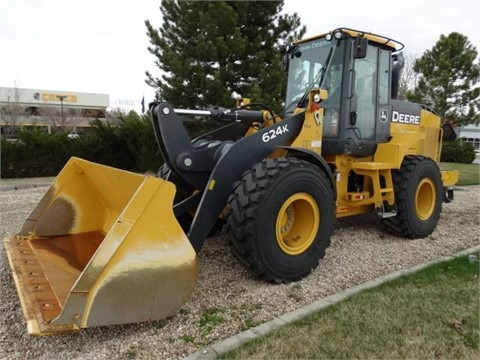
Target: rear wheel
418, 195
281, 218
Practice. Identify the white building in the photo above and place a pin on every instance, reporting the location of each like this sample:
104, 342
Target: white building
51, 108
471, 134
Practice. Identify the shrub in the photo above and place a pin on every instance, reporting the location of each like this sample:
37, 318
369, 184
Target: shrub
35, 153
129, 146
458, 152
105, 146
137, 133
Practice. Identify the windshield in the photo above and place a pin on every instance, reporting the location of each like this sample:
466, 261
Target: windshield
305, 69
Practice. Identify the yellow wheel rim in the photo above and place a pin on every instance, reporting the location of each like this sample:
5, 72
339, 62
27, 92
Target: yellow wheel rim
297, 223
425, 199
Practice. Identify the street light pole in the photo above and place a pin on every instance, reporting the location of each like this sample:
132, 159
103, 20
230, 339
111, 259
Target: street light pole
61, 98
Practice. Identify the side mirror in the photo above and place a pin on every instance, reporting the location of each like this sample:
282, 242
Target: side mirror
360, 48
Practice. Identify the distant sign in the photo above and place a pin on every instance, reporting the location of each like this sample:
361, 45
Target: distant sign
40, 97
48, 97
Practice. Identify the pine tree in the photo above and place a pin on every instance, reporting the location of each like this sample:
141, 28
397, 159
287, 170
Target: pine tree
449, 76
209, 51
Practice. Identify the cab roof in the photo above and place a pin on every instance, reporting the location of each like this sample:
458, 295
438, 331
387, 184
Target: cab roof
378, 39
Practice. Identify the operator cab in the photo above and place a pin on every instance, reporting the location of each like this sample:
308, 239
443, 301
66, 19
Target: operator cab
355, 68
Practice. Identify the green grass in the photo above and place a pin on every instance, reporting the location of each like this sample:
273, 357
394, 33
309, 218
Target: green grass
469, 173
188, 339
295, 292
432, 314
133, 350
210, 318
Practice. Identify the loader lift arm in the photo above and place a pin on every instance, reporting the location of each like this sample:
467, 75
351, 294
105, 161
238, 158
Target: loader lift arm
217, 161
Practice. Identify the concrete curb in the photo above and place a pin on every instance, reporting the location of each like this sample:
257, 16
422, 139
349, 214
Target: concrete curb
219, 348
23, 186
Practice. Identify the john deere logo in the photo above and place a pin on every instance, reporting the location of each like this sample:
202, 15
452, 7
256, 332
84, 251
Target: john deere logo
383, 115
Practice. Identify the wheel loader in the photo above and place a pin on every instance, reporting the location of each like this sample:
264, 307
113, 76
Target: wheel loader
106, 246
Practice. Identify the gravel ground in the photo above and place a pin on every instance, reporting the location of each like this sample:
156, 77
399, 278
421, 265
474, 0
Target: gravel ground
228, 299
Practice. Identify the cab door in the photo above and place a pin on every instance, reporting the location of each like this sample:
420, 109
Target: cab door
370, 108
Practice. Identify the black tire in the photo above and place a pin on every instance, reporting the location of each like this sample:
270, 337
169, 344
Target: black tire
281, 218
418, 195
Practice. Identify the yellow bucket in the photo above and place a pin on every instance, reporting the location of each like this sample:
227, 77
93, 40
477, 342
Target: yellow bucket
102, 247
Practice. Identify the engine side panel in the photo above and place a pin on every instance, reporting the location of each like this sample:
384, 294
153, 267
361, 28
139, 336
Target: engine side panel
415, 130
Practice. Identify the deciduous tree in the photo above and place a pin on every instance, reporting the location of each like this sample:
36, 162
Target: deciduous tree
12, 110
408, 77
449, 76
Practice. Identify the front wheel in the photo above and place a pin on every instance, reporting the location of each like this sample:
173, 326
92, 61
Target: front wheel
418, 195
281, 218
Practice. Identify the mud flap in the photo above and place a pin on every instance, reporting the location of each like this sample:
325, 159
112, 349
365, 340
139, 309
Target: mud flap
102, 247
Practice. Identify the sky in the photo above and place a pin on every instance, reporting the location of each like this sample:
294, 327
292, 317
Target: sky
101, 46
